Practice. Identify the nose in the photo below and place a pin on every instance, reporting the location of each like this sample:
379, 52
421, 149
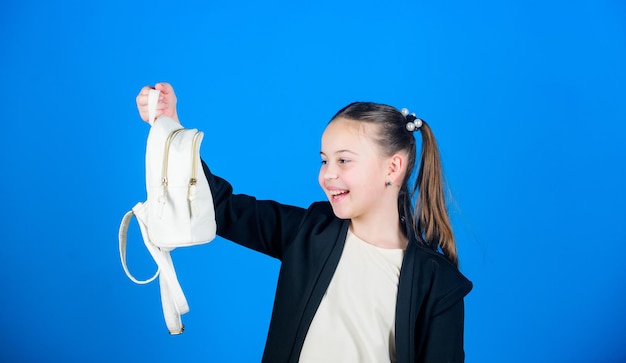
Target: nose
329, 172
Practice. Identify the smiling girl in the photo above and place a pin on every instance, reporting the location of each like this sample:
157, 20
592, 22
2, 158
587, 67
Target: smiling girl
372, 274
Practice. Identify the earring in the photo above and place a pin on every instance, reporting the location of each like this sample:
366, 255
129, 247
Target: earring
388, 184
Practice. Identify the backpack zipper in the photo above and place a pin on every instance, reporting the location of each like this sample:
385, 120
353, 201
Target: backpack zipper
191, 195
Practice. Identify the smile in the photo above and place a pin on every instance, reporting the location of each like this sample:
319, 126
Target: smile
337, 193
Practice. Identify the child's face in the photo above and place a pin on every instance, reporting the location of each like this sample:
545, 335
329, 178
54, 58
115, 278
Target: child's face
353, 172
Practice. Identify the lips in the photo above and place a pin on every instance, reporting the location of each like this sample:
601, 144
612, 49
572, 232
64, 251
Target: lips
337, 194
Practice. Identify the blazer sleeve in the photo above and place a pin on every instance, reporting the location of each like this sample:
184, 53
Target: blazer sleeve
445, 330
440, 329
262, 225
444, 341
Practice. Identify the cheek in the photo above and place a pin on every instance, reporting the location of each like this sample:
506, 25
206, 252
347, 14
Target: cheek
320, 178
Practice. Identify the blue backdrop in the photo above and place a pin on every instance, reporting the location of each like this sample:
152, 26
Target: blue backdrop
526, 98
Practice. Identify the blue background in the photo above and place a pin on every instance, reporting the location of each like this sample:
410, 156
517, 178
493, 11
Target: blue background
526, 98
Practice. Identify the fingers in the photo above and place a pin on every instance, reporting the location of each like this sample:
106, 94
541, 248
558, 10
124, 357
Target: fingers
142, 97
167, 93
168, 99
142, 102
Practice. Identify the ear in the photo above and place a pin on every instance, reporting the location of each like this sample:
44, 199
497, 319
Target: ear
395, 168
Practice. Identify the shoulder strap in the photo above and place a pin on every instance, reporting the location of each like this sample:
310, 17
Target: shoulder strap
172, 297
122, 238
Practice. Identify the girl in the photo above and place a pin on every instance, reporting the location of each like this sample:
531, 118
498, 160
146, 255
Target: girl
366, 276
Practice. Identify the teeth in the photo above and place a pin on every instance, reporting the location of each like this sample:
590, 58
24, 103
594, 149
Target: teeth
335, 193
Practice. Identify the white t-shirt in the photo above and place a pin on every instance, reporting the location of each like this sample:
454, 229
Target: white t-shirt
356, 319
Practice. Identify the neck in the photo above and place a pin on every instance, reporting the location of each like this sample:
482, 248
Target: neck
380, 229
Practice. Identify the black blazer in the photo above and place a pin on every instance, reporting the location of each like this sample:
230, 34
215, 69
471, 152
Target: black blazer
309, 242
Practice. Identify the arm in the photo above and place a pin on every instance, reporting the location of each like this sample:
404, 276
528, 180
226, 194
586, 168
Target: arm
263, 225
438, 330
444, 342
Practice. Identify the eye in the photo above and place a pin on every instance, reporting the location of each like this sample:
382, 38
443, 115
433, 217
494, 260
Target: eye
343, 161
324, 162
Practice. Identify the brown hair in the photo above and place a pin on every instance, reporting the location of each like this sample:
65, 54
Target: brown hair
427, 219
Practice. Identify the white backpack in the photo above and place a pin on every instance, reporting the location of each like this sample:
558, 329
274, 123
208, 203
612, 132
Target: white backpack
179, 210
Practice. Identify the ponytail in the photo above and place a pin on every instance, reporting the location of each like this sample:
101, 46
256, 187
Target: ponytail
430, 217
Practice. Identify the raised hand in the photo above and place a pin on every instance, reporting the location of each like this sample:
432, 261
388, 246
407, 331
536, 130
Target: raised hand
166, 105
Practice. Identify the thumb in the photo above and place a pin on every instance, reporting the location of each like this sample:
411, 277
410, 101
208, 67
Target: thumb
164, 87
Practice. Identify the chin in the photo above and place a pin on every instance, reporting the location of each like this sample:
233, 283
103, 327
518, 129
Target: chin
341, 214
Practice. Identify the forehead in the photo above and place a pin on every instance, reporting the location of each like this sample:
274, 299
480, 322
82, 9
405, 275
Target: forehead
346, 134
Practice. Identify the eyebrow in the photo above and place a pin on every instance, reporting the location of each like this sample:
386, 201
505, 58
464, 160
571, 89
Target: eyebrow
340, 151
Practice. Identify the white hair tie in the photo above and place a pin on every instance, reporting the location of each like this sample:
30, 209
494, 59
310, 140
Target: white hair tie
412, 122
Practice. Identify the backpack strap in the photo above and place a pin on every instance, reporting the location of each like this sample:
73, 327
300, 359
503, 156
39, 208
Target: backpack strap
153, 100
173, 299
123, 241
